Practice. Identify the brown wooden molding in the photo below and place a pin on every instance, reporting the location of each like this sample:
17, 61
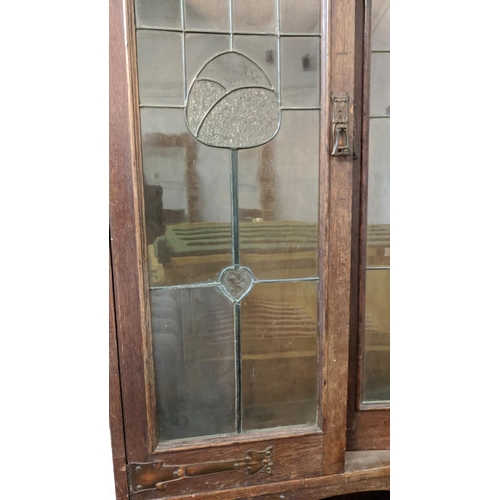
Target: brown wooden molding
115, 405
364, 471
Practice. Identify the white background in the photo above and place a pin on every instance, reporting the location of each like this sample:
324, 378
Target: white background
444, 237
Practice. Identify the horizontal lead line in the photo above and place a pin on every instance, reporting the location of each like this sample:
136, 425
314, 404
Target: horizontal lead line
209, 32
286, 280
380, 116
217, 283
179, 287
298, 108
386, 268
175, 106
381, 51
283, 108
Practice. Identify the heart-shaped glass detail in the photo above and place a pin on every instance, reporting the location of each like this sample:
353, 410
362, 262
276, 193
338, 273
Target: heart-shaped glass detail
236, 282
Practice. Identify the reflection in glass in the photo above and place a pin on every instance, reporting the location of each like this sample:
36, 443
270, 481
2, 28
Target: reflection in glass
379, 86
255, 15
279, 185
378, 246
375, 374
263, 50
212, 15
158, 13
380, 24
279, 329
200, 48
376, 371
300, 70
299, 16
159, 55
188, 228
193, 352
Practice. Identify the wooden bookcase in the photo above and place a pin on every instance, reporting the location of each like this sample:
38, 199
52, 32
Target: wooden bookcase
347, 450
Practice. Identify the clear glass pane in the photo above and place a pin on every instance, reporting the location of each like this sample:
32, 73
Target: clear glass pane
380, 24
212, 15
278, 185
263, 50
188, 228
193, 352
376, 373
256, 16
300, 71
158, 13
299, 16
279, 329
375, 377
159, 55
378, 249
200, 49
380, 86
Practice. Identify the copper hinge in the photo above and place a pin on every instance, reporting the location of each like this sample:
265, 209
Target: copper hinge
156, 475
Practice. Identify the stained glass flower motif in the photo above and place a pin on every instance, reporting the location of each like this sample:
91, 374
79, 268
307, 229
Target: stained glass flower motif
232, 104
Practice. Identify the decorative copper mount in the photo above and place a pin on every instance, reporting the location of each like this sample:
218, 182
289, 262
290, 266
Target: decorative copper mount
156, 475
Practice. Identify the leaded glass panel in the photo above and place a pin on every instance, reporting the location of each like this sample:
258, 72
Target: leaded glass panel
230, 122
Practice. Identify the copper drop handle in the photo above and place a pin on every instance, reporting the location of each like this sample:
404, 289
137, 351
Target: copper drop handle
340, 126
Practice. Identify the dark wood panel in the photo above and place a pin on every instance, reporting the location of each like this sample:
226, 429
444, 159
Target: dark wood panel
115, 405
369, 430
366, 428
365, 471
337, 300
126, 248
293, 458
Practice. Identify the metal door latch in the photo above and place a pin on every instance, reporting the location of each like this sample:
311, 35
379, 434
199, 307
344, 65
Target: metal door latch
340, 125
157, 475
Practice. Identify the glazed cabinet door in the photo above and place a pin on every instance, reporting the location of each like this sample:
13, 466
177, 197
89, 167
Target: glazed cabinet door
232, 156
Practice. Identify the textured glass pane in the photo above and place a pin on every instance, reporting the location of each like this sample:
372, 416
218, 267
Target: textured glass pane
255, 15
278, 185
279, 329
299, 16
300, 70
243, 119
380, 24
159, 55
193, 352
378, 248
187, 226
200, 49
158, 13
210, 15
380, 86
263, 51
376, 359
232, 104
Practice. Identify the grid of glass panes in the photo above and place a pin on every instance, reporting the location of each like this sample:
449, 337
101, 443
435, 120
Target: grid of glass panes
375, 385
229, 96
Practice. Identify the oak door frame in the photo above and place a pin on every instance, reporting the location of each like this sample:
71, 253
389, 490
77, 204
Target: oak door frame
367, 428
322, 448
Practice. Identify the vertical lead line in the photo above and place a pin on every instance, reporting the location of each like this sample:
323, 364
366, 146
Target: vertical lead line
183, 21
278, 32
235, 222
231, 34
237, 357
235, 245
